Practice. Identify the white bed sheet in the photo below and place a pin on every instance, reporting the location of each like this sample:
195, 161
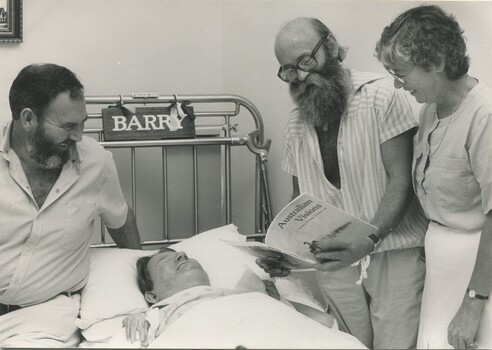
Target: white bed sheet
251, 320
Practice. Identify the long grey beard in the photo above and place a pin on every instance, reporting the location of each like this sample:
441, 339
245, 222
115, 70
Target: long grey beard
322, 97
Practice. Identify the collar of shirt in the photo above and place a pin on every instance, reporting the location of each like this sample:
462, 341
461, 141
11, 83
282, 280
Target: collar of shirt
359, 79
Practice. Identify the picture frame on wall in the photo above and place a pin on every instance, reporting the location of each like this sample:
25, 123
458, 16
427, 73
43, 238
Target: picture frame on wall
10, 21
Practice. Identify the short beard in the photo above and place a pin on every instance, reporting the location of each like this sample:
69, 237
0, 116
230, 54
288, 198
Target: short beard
322, 97
45, 152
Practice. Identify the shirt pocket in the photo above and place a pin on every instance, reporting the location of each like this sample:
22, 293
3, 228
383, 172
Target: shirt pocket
449, 182
79, 225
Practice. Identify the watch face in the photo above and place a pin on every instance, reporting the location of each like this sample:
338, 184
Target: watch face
472, 294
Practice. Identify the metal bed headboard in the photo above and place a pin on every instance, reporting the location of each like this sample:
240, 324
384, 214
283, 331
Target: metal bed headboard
229, 106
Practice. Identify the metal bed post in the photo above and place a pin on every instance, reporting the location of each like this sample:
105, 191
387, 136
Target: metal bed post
256, 145
134, 182
227, 174
265, 205
195, 188
165, 223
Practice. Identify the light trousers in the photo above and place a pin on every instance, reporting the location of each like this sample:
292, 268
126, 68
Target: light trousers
50, 324
451, 256
383, 312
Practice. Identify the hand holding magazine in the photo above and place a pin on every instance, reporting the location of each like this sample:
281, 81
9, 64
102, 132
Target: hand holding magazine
294, 235
275, 256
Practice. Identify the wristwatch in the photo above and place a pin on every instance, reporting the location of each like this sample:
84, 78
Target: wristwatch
377, 241
472, 293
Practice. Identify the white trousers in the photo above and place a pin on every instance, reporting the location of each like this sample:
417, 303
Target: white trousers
50, 324
450, 258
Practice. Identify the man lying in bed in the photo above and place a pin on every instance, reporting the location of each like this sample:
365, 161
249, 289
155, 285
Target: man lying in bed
173, 284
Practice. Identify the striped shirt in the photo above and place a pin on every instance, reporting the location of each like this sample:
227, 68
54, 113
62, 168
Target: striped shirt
376, 112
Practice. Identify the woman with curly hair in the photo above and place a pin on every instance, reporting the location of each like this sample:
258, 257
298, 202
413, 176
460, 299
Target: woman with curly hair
425, 51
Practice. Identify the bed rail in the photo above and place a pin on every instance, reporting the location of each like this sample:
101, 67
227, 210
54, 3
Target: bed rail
215, 126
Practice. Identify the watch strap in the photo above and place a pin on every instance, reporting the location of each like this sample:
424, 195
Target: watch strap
472, 293
377, 241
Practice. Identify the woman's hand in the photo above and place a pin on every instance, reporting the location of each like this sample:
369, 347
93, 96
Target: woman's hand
134, 324
464, 326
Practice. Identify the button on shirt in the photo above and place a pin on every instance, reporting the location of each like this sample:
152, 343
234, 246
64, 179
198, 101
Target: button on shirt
453, 162
44, 251
375, 113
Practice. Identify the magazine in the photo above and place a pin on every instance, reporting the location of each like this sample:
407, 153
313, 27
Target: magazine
274, 255
295, 233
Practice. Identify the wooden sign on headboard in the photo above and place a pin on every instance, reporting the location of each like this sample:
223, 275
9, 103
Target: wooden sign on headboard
148, 123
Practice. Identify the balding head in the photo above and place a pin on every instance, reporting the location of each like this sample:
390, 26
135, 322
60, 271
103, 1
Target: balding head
296, 33
300, 35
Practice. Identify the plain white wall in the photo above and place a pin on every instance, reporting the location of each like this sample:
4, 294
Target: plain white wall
210, 47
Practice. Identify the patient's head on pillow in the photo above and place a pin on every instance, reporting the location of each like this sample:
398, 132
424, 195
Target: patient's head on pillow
167, 273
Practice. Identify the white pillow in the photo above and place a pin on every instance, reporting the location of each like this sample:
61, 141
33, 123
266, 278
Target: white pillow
112, 287
223, 263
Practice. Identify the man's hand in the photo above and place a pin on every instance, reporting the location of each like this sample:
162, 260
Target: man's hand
464, 326
272, 268
335, 255
134, 324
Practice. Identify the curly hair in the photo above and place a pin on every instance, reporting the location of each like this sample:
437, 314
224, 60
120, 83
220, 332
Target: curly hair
423, 36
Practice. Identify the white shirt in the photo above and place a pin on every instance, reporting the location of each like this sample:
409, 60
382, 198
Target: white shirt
44, 251
453, 162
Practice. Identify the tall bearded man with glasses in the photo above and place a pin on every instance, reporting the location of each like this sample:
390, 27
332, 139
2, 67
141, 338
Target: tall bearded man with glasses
349, 142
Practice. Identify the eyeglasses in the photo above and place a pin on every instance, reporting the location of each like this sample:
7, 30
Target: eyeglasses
306, 63
398, 77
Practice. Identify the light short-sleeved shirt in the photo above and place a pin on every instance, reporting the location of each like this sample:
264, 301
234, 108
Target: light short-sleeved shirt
453, 162
44, 251
376, 112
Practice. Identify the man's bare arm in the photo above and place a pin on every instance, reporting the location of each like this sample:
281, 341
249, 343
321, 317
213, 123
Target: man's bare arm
397, 159
126, 236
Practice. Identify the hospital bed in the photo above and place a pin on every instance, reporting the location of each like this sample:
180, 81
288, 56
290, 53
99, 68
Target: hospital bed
250, 320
